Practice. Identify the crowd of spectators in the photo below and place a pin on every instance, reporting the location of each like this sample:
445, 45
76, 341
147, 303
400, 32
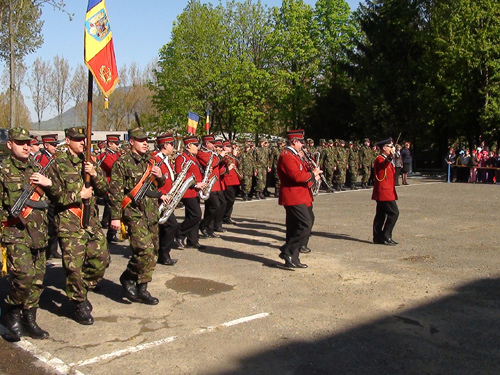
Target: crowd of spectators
481, 165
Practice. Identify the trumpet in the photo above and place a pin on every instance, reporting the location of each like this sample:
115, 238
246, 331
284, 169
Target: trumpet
176, 193
230, 160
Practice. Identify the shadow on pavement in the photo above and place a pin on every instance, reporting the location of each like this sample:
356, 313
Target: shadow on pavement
457, 334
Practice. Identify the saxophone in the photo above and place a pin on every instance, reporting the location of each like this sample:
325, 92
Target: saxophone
205, 192
176, 193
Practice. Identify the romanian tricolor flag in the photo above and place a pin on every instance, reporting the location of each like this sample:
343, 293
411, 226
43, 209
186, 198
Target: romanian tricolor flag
193, 120
207, 123
99, 50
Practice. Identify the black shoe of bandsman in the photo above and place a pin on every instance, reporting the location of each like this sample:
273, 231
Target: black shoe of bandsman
304, 250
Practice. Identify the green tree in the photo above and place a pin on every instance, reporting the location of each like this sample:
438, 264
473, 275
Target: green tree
295, 63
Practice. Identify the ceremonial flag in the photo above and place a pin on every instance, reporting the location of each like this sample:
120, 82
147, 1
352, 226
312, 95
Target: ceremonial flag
99, 50
207, 123
193, 119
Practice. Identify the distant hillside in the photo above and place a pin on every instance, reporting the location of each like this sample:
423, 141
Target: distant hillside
69, 119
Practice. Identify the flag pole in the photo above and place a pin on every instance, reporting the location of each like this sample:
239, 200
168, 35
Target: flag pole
88, 155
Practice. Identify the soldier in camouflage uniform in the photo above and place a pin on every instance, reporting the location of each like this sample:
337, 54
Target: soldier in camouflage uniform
262, 166
328, 161
141, 217
24, 238
342, 155
352, 165
275, 155
84, 250
247, 168
366, 161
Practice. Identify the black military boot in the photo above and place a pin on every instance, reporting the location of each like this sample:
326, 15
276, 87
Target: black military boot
129, 286
144, 296
82, 314
31, 327
12, 321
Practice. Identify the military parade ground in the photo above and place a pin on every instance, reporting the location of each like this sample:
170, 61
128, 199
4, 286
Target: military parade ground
428, 305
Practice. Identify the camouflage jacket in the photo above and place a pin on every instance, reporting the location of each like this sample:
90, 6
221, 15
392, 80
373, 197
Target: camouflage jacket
247, 163
342, 155
352, 158
366, 156
327, 159
275, 155
67, 175
261, 157
32, 231
126, 174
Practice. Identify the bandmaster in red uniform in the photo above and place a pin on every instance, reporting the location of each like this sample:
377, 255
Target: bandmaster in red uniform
384, 192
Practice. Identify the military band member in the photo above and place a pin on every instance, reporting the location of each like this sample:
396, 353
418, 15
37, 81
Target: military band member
35, 146
384, 192
167, 230
296, 196
106, 159
216, 203
230, 179
84, 250
188, 235
130, 173
24, 238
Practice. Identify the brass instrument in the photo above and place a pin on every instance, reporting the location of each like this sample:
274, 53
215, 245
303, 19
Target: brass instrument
176, 193
232, 160
316, 183
209, 181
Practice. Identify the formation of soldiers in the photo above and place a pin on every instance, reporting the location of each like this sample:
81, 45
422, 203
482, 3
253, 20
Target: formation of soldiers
57, 192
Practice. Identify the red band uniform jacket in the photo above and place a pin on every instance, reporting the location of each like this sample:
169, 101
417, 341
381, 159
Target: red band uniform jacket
295, 179
193, 170
384, 187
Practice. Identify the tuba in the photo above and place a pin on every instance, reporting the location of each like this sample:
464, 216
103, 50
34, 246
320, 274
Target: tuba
210, 181
176, 193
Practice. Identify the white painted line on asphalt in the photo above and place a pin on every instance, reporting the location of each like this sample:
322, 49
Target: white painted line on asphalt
134, 349
122, 352
47, 358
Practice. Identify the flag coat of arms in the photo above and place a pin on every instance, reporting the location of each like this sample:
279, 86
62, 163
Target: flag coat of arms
99, 50
193, 120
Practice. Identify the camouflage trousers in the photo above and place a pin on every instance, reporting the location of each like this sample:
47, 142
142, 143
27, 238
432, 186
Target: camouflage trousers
85, 258
340, 175
329, 174
27, 269
353, 175
260, 180
144, 242
277, 182
246, 184
365, 174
